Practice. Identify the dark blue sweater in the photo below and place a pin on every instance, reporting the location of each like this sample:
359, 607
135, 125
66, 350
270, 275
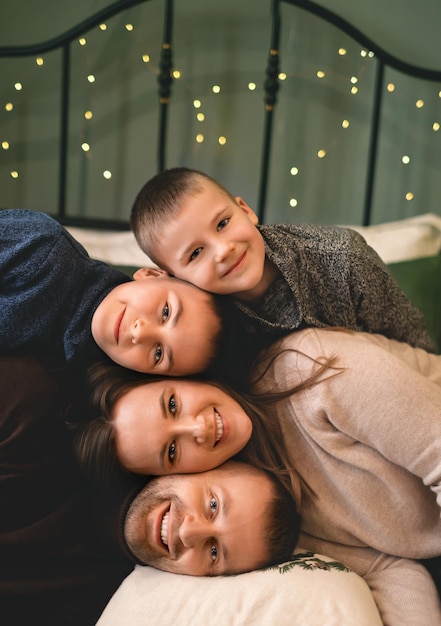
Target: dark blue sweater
49, 288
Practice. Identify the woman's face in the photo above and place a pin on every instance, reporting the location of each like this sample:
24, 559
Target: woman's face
178, 426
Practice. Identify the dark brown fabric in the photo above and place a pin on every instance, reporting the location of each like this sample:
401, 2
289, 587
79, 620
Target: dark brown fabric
50, 569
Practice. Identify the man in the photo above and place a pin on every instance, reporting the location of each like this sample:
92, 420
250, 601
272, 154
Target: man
228, 520
64, 549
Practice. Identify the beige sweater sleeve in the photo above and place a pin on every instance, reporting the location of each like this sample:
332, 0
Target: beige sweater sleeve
403, 589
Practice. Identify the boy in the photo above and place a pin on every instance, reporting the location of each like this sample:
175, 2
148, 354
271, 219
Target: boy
283, 277
57, 302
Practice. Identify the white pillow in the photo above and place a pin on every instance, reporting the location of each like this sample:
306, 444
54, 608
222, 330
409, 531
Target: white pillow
311, 590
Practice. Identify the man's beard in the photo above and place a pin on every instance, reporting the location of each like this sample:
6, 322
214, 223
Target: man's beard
155, 493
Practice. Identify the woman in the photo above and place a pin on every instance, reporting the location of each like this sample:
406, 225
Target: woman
358, 417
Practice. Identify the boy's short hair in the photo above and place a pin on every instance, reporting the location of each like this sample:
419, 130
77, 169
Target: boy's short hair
159, 200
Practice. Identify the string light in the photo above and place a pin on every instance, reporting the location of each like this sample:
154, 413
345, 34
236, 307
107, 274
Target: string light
197, 104
103, 26
321, 154
200, 117
146, 58
107, 174
82, 41
222, 140
91, 78
88, 115
390, 87
199, 138
39, 61
409, 196
294, 171
176, 74
320, 74
342, 51
251, 86
5, 145
345, 124
293, 203
129, 27
18, 86
9, 106
85, 146
405, 159
14, 174
419, 104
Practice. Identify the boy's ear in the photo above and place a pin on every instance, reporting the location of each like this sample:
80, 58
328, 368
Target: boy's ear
145, 272
247, 210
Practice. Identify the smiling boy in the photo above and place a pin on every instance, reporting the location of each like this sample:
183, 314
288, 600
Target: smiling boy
282, 277
66, 307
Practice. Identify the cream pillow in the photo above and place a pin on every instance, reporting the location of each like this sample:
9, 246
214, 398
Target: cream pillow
311, 590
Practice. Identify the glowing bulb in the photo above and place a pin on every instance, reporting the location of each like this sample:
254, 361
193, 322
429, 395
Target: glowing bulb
39, 61
88, 115
5, 145
85, 146
390, 87
354, 80
9, 106
215, 89
222, 140
363, 53
146, 58
129, 27
18, 86
282, 76
197, 104
321, 154
14, 174
82, 41
405, 159
200, 117
321, 74
293, 202
294, 171
251, 86
371, 54
199, 138
176, 74
91, 78
354, 90
409, 196
342, 51
435, 126
345, 124
419, 104
107, 174
103, 26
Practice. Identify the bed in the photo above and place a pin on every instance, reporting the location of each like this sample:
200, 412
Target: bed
311, 589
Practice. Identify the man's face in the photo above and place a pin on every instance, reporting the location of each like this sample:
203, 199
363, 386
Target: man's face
157, 324
202, 524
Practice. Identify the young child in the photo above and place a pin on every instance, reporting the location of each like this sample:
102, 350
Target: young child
60, 304
283, 277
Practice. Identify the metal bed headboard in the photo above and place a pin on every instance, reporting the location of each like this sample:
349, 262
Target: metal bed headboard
271, 83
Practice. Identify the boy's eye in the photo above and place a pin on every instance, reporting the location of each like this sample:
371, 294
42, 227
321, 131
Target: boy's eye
223, 223
213, 505
195, 254
213, 553
165, 312
172, 452
158, 354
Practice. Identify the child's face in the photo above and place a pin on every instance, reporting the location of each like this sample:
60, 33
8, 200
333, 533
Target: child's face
213, 243
157, 324
178, 426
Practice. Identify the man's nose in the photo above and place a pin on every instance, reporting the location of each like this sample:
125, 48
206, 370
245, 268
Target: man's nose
193, 530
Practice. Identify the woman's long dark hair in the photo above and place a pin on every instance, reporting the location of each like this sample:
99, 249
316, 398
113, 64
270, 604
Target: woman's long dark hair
95, 441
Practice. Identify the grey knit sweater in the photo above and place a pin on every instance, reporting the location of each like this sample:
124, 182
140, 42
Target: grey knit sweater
329, 276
